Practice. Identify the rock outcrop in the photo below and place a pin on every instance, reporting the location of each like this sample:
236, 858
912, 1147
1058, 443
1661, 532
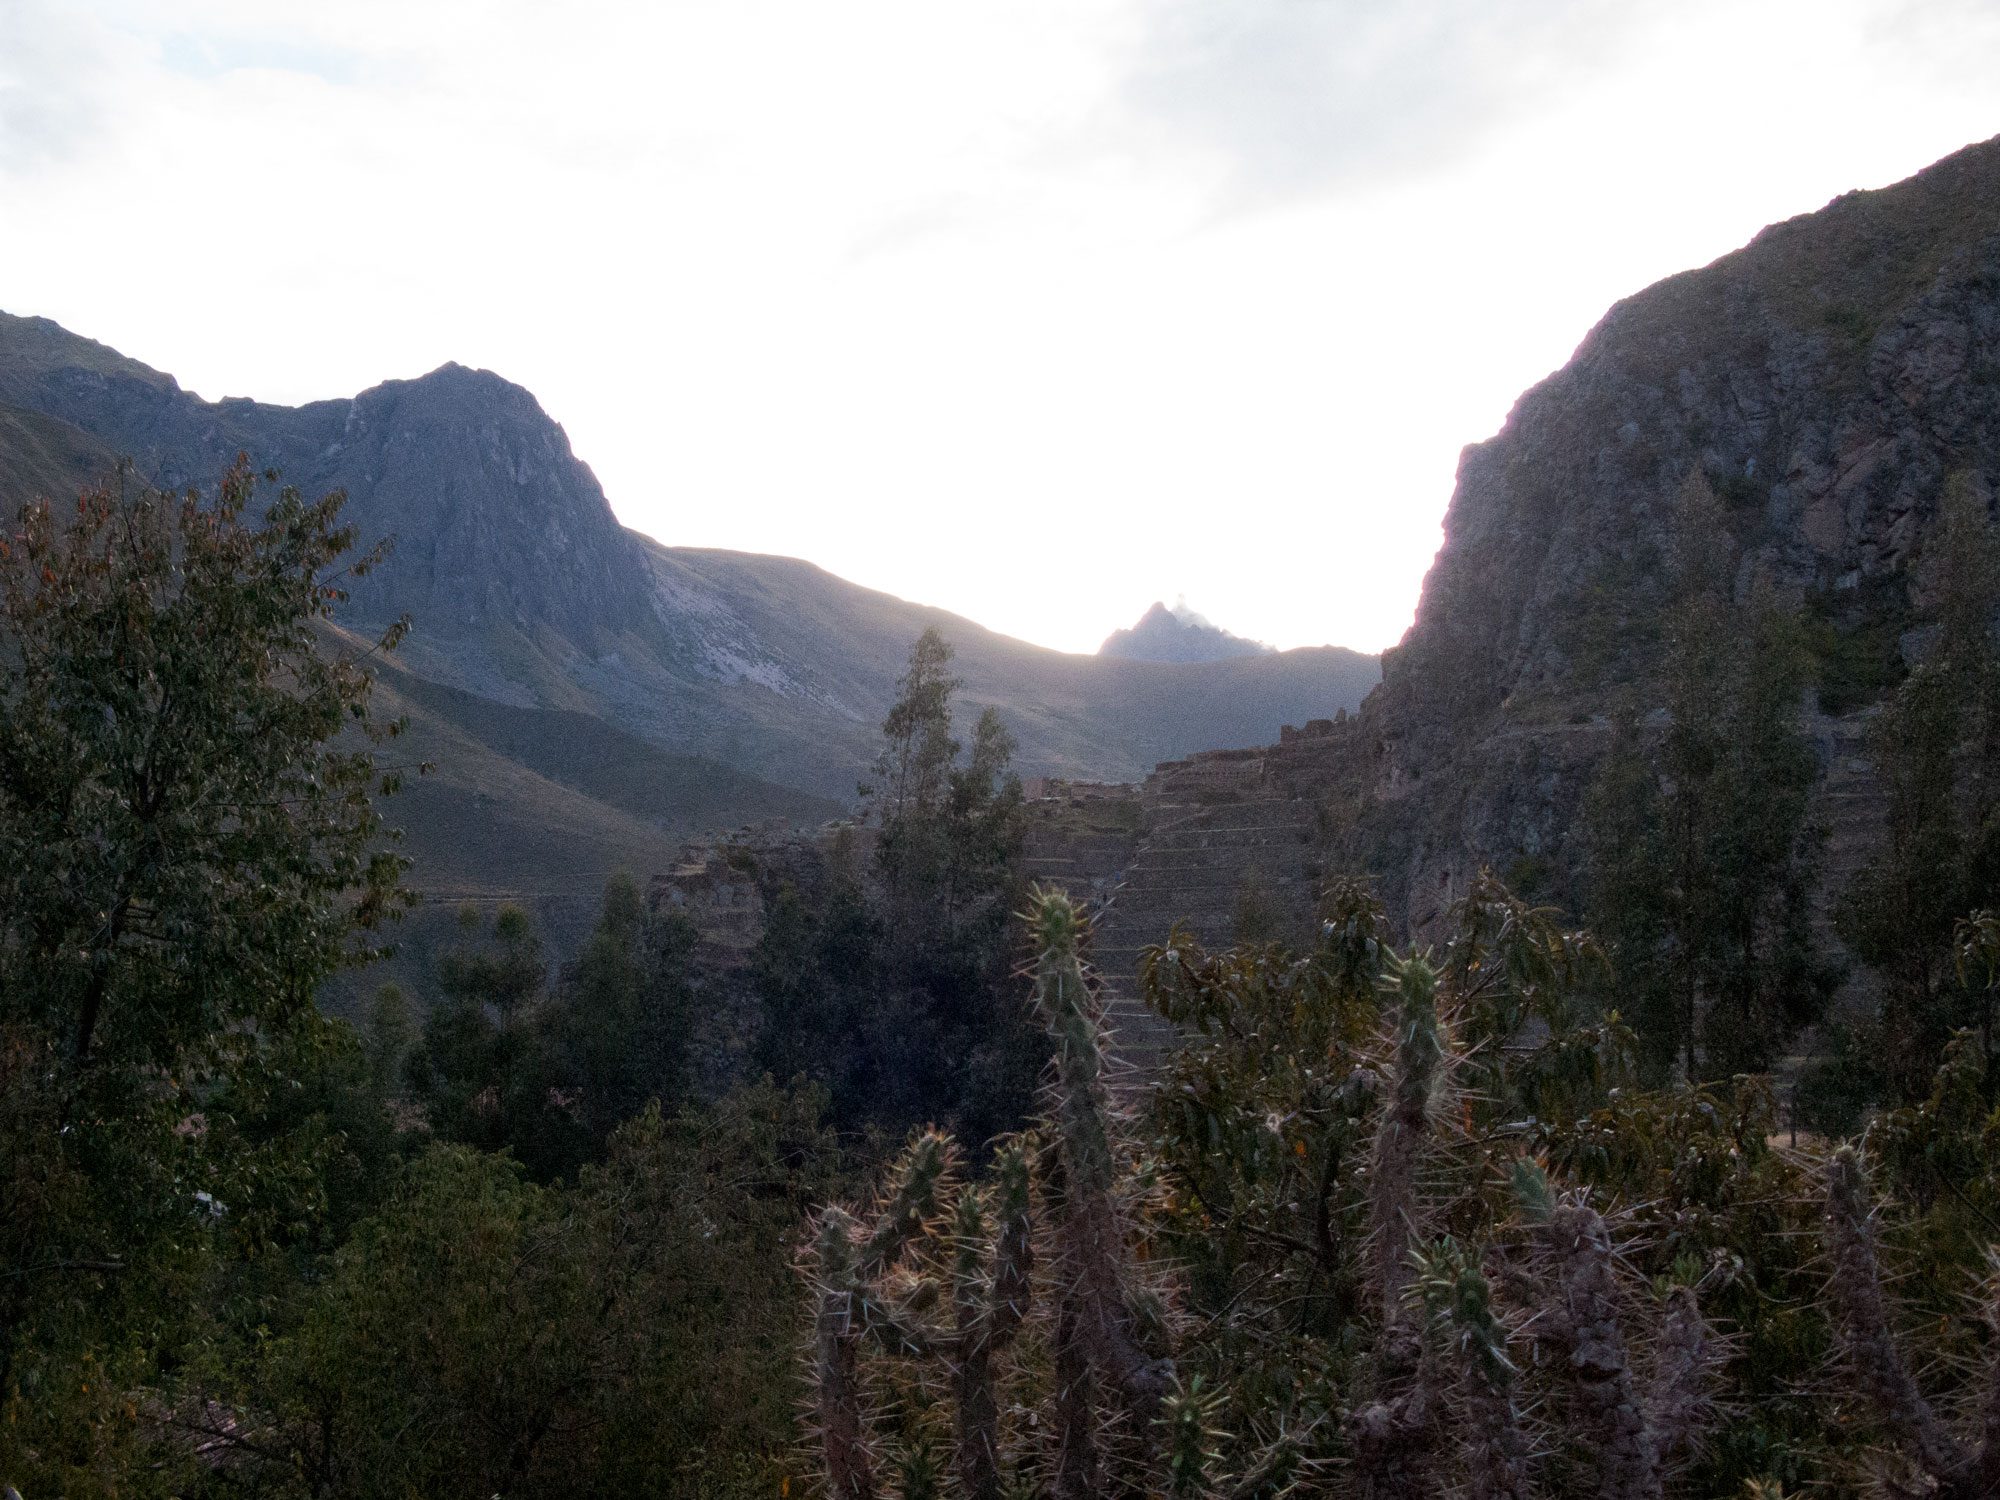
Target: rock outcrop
1827, 378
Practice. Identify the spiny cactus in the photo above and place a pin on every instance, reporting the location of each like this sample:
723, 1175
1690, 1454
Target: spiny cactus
848, 1263
1187, 1420
1862, 1317
1632, 1432
1093, 1268
1399, 1136
909, 1287
1685, 1360
1394, 1436
1449, 1282
990, 1292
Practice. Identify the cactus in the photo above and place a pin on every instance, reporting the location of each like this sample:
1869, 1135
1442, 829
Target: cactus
886, 1286
848, 1266
1862, 1317
1093, 1258
1400, 1135
1187, 1417
1631, 1432
1684, 1377
990, 1293
1394, 1436
1451, 1284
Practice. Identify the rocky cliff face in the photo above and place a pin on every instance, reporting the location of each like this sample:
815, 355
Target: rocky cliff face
496, 521
1827, 378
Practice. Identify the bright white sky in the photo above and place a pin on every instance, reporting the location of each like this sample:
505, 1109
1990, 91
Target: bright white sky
1038, 310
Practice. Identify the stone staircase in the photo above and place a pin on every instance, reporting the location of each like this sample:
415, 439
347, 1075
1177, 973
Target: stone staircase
1220, 837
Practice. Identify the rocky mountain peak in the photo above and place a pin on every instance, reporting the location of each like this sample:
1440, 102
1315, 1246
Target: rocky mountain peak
1177, 634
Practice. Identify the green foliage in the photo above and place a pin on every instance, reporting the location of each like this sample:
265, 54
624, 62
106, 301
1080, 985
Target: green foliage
1853, 637
188, 849
889, 983
1320, 1100
502, 1067
1936, 749
178, 823
1703, 856
483, 1335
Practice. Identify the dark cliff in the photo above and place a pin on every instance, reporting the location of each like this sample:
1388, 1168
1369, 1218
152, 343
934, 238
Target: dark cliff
1826, 378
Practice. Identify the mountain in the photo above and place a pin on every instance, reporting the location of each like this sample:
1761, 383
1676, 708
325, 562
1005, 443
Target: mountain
590, 696
526, 591
1177, 634
1826, 378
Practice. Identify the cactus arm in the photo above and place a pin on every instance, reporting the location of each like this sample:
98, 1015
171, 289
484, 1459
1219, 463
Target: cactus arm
911, 1200
1861, 1312
1077, 1464
1093, 1241
1393, 1437
1006, 1302
1496, 1447
989, 1313
850, 1469
1400, 1134
1591, 1327
972, 1358
1683, 1381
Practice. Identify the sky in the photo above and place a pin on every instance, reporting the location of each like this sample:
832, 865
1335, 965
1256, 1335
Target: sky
1037, 310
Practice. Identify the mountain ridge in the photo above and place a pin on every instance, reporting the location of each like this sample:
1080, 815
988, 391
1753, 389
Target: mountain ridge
1825, 378
526, 589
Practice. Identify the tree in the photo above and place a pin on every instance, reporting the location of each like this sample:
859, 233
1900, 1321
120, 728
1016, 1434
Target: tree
948, 856
887, 979
1936, 748
550, 1077
187, 843
470, 1068
189, 848
1704, 855
480, 1334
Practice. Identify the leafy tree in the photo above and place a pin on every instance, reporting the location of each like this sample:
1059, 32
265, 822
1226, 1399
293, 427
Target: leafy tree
470, 1071
188, 849
1936, 748
890, 983
950, 834
1704, 857
550, 1077
483, 1335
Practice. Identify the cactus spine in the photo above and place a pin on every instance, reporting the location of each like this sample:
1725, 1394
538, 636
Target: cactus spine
990, 1292
1394, 1435
1097, 1313
1861, 1313
1587, 1322
1496, 1448
883, 1285
1399, 1138
848, 1265
1631, 1433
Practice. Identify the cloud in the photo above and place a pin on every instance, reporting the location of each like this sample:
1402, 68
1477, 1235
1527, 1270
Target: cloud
1303, 95
55, 66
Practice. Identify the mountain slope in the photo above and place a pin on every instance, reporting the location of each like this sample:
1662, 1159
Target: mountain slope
1826, 378
525, 589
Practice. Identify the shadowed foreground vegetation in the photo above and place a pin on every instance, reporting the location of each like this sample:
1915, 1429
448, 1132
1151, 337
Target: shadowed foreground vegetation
1392, 1221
